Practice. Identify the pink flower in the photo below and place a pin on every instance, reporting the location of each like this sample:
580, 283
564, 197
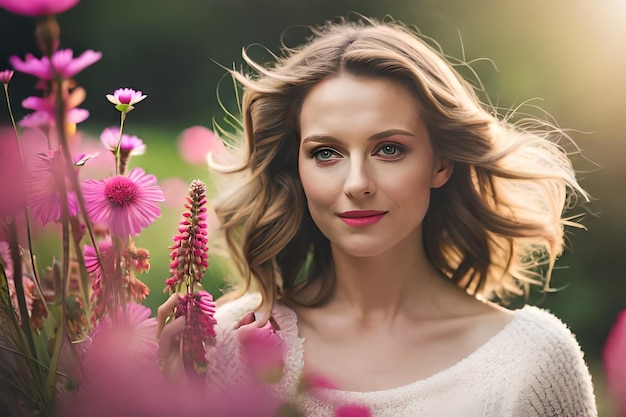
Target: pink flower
198, 309
44, 112
189, 253
62, 64
124, 98
5, 76
196, 142
312, 383
614, 358
36, 8
13, 192
174, 190
130, 144
132, 327
352, 411
125, 204
107, 254
263, 350
44, 196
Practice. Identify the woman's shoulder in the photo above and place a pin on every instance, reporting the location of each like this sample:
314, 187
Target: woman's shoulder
552, 368
229, 313
542, 338
542, 327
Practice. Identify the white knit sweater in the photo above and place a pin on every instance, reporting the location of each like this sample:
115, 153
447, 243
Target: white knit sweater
532, 367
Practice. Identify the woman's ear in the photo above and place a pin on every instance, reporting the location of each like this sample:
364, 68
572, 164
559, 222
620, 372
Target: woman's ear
442, 172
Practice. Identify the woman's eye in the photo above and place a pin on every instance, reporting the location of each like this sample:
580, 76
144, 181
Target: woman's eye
324, 154
390, 150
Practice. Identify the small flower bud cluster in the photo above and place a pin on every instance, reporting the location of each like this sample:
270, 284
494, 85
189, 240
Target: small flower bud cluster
189, 256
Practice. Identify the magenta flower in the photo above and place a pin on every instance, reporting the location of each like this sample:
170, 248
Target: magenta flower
132, 327
196, 142
198, 309
174, 190
36, 8
5, 76
131, 145
189, 258
44, 113
125, 204
614, 364
62, 64
107, 254
352, 411
12, 172
44, 196
263, 351
125, 98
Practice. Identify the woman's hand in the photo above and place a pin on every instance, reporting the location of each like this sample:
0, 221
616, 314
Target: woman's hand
170, 353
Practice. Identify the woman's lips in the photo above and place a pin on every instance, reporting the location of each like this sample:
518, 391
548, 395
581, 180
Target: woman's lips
359, 218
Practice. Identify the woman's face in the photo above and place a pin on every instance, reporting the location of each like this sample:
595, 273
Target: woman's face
366, 164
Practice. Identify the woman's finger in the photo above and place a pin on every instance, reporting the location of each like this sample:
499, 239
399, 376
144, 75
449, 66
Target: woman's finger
164, 311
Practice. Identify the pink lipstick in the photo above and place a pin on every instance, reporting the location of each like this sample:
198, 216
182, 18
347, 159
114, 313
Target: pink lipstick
360, 218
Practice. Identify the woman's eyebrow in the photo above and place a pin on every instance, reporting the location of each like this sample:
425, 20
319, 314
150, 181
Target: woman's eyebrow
391, 132
380, 135
320, 138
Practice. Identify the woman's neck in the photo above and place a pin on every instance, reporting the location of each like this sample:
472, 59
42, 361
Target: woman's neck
399, 281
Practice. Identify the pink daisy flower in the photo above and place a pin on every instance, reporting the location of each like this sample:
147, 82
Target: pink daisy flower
107, 252
62, 63
130, 144
36, 8
132, 327
125, 98
44, 198
125, 204
5, 76
44, 112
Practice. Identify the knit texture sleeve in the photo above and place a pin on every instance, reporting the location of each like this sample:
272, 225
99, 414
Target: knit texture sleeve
556, 379
226, 367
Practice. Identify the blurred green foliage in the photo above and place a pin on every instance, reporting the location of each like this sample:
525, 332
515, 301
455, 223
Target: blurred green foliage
567, 56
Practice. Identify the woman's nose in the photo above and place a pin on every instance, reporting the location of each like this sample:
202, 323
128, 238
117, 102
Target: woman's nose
359, 182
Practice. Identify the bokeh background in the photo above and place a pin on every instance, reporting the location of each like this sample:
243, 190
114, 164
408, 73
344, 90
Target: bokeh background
566, 56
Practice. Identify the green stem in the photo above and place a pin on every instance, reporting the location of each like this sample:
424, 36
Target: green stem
118, 153
80, 258
27, 335
51, 379
29, 358
26, 217
6, 94
19, 287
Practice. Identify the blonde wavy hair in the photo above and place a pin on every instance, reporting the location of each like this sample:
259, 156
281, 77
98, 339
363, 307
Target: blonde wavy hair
495, 228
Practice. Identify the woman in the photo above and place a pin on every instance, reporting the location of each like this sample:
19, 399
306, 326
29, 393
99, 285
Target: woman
385, 216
